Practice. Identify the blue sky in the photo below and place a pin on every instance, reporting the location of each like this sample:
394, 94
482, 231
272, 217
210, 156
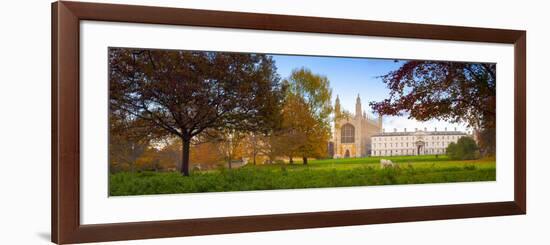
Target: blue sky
351, 76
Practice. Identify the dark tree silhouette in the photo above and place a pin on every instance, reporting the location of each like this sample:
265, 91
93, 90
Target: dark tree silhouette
452, 91
187, 93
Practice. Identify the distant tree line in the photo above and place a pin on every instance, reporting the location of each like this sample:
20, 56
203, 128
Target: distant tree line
464, 149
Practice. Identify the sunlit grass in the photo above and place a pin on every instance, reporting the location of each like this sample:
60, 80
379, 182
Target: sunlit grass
317, 174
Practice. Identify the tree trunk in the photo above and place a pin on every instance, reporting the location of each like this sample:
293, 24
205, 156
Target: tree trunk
254, 158
304, 160
290, 160
185, 156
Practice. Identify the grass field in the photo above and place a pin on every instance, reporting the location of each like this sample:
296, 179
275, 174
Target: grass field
318, 173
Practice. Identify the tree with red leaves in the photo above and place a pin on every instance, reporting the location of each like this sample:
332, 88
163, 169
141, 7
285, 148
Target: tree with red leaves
457, 92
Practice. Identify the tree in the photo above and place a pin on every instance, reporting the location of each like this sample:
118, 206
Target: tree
316, 143
230, 144
254, 144
124, 153
464, 149
149, 160
206, 154
452, 91
124, 147
316, 94
270, 146
296, 123
170, 153
184, 93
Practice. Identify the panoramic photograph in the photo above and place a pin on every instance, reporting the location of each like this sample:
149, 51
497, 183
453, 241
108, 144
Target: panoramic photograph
184, 121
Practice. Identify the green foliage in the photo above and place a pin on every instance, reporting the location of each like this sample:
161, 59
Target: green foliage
306, 114
317, 174
464, 149
314, 89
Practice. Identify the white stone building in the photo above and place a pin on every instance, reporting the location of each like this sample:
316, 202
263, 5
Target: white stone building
419, 142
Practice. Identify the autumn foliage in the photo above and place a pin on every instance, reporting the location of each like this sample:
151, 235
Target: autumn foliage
170, 109
163, 93
453, 91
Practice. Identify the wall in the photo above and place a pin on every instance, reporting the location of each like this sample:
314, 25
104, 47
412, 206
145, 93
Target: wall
25, 122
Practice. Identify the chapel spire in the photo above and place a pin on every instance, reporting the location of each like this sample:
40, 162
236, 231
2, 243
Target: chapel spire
337, 112
337, 106
358, 110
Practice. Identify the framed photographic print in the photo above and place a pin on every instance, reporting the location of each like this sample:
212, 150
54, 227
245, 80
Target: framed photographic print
177, 122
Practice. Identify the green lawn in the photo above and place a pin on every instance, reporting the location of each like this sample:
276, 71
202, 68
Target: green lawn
318, 173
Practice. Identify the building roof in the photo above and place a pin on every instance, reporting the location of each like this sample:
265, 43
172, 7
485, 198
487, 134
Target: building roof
420, 133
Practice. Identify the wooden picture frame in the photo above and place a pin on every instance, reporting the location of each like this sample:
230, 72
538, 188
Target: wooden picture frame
65, 177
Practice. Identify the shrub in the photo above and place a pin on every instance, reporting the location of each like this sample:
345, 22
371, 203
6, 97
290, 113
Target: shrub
464, 149
279, 161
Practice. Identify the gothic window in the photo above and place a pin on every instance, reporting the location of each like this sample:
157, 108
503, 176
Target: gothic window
348, 133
